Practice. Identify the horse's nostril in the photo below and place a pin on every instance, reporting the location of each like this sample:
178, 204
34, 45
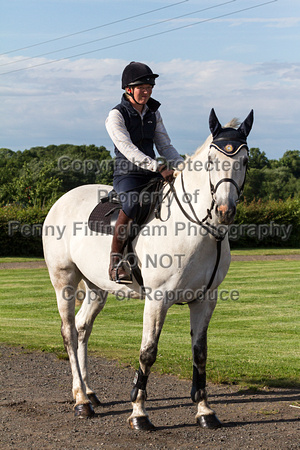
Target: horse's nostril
223, 209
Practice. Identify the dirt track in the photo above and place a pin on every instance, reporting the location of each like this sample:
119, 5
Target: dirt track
41, 264
36, 410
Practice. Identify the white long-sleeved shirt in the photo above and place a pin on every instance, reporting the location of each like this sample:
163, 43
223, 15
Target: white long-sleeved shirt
116, 128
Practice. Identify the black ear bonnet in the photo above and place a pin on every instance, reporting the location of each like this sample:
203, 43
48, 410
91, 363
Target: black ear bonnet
229, 140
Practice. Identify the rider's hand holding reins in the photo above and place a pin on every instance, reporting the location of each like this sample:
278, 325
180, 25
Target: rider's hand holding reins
167, 174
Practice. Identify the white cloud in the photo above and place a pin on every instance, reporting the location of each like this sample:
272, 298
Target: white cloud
69, 101
277, 22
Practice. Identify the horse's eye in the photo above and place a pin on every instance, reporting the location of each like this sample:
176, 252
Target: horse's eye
245, 160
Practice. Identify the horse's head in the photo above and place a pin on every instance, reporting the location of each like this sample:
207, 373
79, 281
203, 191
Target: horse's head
227, 165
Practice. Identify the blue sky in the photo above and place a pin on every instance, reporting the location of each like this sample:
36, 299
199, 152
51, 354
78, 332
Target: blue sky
234, 56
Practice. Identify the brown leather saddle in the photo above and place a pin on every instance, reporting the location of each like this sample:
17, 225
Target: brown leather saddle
104, 216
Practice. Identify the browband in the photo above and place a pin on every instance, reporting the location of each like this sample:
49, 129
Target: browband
230, 148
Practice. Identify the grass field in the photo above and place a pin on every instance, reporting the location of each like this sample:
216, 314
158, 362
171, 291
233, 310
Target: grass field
10, 259
253, 340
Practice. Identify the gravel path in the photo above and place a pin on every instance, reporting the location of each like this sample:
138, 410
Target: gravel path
36, 410
41, 264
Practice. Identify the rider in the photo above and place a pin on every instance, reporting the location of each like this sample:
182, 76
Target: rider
134, 126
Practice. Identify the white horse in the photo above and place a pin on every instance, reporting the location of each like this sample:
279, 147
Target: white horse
195, 213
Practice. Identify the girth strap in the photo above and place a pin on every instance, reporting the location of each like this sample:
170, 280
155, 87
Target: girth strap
219, 243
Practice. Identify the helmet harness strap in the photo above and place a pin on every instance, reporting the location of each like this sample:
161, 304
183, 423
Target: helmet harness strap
131, 94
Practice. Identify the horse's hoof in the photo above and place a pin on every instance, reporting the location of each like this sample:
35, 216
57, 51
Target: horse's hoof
94, 400
84, 410
209, 421
141, 424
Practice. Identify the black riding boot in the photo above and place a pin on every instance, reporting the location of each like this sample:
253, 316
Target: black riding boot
118, 243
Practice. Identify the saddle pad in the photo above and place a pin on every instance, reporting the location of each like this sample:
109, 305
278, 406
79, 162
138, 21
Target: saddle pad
101, 217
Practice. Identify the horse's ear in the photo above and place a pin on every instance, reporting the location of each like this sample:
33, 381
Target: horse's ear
214, 124
246, 126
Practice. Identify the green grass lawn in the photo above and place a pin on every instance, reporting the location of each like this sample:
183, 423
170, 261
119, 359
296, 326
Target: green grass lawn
253, 340
14, 259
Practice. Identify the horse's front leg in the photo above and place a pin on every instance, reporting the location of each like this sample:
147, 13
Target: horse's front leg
200, 315
154, 316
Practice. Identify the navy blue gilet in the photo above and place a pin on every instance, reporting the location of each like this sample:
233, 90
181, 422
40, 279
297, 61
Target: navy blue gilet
141, 132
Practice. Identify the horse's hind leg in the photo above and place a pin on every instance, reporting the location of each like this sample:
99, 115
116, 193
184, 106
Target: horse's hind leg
200, 315
93, 303
65, 282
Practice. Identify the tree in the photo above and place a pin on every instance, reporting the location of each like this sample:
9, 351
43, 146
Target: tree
291, 159
279, 183
35, 176
257, 159
253, 187
32, 189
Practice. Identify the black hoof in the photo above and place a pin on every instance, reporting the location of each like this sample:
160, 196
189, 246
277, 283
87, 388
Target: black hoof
209, 421
85, 410
94, 400
141, 424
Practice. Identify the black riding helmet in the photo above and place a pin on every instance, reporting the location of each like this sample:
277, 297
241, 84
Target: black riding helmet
137, 73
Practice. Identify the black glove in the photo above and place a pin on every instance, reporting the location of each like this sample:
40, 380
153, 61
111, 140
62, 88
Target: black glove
167, 174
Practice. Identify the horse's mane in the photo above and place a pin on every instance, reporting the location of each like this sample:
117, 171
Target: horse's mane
234, 123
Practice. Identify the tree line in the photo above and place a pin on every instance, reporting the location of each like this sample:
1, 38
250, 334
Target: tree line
271, 179
40, 175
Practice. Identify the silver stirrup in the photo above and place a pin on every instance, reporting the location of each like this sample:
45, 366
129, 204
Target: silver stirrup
117, 272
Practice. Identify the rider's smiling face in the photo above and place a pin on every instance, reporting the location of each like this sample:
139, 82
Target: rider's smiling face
141, 93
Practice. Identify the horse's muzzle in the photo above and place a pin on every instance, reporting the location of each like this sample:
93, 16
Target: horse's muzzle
226, 213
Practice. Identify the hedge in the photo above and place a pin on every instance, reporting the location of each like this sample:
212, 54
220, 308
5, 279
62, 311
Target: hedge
272, 223
21, 230
258, 224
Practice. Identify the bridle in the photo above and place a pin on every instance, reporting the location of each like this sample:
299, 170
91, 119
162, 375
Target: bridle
239, 189
229, 141
212, 229
232, 149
